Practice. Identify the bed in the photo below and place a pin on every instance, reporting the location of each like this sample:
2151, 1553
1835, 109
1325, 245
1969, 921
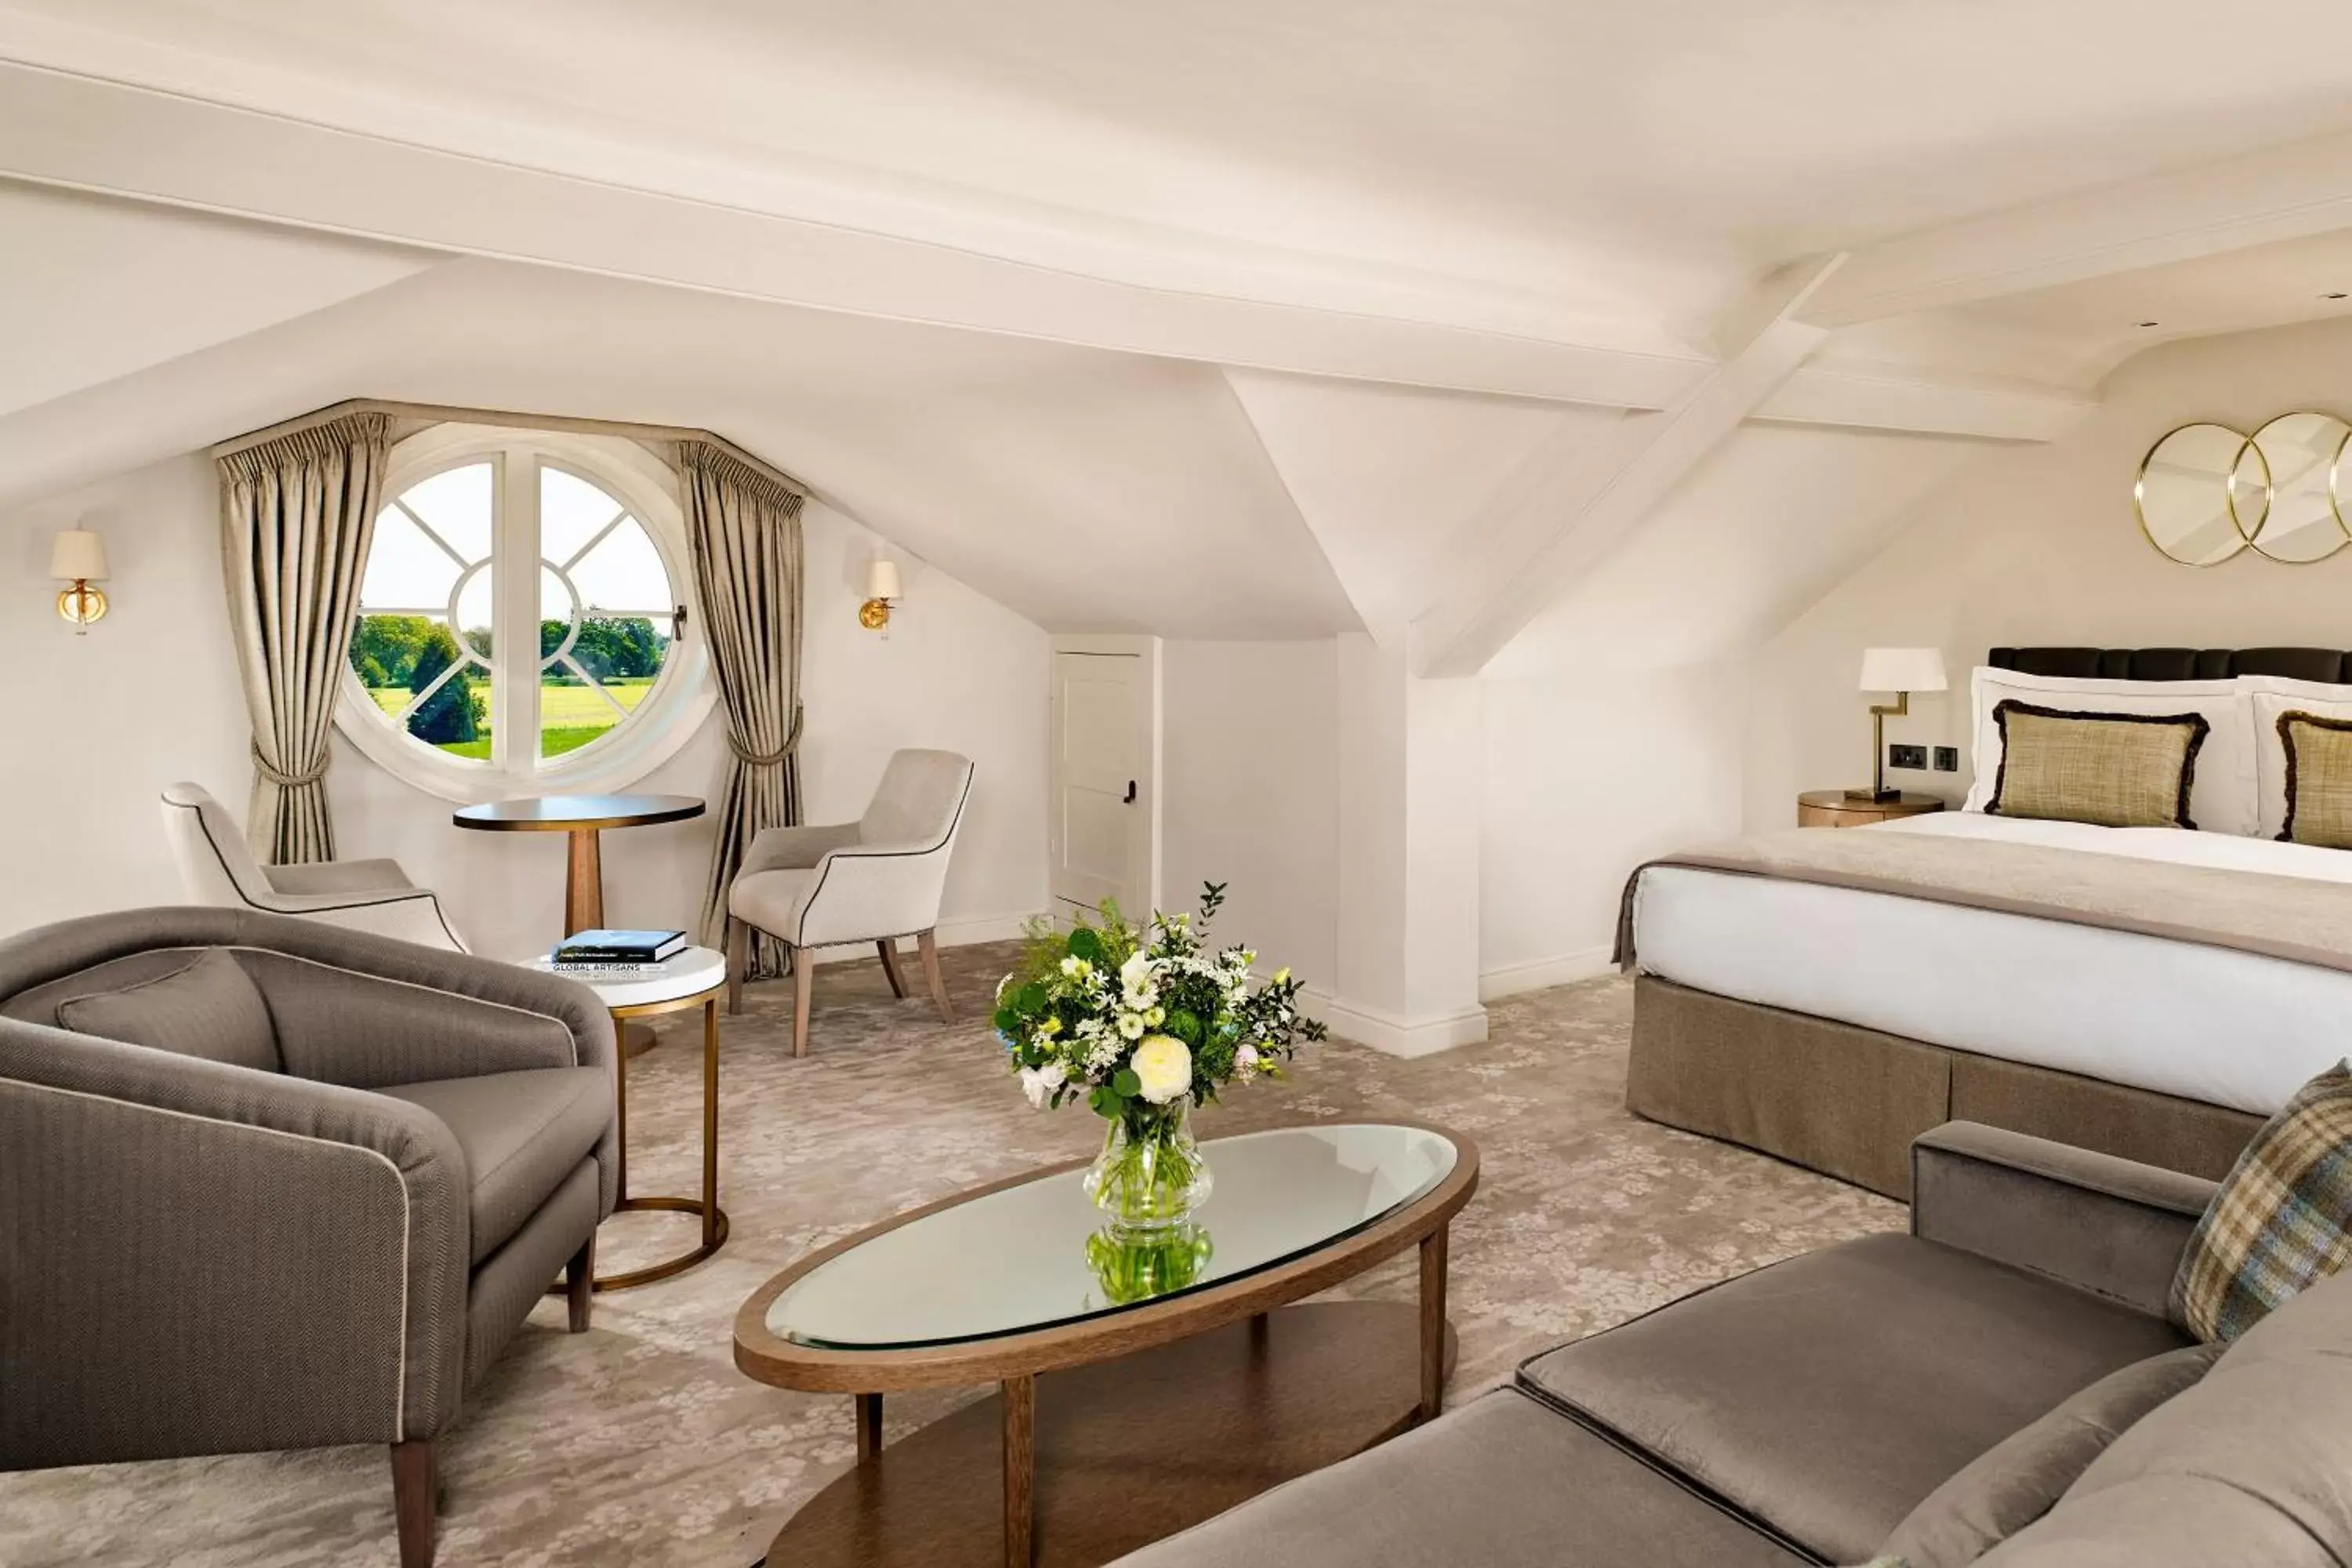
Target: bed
2156, 993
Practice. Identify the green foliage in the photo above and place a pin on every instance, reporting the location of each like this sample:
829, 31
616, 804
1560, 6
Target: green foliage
385, 648
452, 714
370, 670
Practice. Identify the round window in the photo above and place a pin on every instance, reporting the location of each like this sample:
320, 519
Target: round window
522, 619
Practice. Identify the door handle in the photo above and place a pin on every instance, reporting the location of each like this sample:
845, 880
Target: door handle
1130, 793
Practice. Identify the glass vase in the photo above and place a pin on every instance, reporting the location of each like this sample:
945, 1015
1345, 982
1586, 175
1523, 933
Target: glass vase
1150, 1176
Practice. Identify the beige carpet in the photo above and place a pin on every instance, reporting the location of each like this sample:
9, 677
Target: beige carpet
640, 1443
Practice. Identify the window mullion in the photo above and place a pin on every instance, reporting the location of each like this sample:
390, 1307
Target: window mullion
514, 748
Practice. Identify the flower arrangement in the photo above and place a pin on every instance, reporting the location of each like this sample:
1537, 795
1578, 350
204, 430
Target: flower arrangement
1143, 1025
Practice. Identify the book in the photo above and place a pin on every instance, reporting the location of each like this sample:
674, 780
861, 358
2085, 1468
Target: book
635, 947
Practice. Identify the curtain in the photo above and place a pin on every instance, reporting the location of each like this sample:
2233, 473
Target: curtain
743, 529
296, 514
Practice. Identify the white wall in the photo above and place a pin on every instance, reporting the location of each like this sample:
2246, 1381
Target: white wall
2039, 545
1249, 791
151, 695
1585, 778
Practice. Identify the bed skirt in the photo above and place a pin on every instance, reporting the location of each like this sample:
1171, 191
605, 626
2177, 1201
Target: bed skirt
1847, 1101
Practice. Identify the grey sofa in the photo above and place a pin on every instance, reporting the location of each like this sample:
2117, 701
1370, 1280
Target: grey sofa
1805, 1413
269, 1184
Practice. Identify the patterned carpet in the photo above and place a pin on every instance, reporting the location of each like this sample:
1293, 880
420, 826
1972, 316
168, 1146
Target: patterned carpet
639, 1442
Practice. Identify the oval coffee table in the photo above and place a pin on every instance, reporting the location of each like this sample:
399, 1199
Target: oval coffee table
694, 978
1150, 1415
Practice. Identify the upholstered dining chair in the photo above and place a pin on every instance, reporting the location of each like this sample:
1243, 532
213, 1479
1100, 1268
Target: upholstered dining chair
267, 1184
218, 868
872, 881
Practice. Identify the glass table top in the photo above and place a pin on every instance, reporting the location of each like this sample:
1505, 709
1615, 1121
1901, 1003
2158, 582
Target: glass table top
1036, 1254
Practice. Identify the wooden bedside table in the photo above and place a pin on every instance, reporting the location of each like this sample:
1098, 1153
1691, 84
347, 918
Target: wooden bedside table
1831, 808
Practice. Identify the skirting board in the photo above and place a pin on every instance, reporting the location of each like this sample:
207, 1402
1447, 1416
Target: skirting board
1392, 1036
1537, 974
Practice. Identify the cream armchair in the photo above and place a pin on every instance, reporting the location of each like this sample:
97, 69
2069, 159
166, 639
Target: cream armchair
875, 879
218, 869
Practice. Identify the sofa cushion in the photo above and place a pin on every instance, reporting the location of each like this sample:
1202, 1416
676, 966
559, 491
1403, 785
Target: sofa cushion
2022, 1477
207, 1008
2250, 1466
2281, 1219
522, 1133
1501, 1482
1828, 1395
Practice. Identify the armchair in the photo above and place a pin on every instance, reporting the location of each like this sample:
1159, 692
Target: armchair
218, 868
265, 1184
875, 879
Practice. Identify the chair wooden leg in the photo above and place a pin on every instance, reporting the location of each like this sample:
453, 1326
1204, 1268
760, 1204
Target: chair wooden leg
889, 949
804, 977
580, 1283
738, 962
927, 942
412, 1501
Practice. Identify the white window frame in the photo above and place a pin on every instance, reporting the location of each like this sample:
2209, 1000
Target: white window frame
682, 695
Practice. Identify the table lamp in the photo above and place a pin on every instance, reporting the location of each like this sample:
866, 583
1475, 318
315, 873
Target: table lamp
1902, 670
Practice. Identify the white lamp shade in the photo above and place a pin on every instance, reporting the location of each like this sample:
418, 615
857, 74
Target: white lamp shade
1903, 669
78, 553
882, 580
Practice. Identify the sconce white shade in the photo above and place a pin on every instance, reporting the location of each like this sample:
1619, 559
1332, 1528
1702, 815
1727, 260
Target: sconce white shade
77, 554
882, 580
1903, 669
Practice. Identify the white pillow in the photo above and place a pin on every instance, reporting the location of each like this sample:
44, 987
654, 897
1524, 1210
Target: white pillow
2224, 795
2273, 695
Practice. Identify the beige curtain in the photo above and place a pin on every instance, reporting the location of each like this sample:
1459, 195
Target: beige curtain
744, 530
296, 514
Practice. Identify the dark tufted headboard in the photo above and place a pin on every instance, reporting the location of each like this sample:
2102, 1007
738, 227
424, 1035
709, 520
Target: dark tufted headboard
2176, 663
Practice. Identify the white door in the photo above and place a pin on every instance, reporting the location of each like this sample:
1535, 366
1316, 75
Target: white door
1105, 796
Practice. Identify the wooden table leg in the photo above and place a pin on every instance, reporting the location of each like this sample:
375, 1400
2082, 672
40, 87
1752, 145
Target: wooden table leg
1020, 1396
710, 1122
869, 1427
584, 883
1432, 1323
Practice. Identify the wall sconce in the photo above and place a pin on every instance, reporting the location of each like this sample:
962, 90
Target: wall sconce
78, 557
881, 592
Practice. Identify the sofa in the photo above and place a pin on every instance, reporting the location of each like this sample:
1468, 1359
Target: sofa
271, 1184
1931, 1394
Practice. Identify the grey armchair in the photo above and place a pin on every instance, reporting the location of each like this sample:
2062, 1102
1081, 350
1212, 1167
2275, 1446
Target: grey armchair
216, 866
268, 1184
875, 879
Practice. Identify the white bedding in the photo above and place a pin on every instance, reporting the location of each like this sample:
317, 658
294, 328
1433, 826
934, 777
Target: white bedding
2212, 1024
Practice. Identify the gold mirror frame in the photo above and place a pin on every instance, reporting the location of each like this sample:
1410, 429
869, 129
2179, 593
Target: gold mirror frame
2333, 462
2228, 504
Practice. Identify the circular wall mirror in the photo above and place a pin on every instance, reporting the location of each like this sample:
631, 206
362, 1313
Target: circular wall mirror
2200, 494
2296, 521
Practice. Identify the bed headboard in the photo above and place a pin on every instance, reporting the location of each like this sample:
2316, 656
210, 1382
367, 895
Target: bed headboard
2176, 663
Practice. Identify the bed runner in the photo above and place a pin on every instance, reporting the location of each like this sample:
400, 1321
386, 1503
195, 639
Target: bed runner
2299, 919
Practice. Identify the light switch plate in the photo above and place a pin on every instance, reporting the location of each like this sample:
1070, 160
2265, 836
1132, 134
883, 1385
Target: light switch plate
1947, 759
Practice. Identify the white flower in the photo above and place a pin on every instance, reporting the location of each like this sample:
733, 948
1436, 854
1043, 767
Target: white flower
1247, 1058
1154, 1017
1136, 973
1039, 1083
1132, 1025
1076, 968
1165, 1067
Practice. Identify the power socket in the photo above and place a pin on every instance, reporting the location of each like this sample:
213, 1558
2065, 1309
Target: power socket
1900, 756
1947, 759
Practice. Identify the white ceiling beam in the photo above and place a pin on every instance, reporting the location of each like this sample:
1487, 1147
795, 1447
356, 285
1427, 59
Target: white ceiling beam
2282, 193
76, 132
1576, 501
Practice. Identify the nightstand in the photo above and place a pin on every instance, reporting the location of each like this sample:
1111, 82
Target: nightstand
1831, 808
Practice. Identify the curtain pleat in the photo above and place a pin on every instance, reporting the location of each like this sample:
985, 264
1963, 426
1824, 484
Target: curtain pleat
297, 515
743, 529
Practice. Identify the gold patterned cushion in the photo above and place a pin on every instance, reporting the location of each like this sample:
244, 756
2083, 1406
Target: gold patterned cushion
2278, 1223
2318, 779
2114, 770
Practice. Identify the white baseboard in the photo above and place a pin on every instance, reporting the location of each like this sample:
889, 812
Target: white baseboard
1392, 1036
1537, 974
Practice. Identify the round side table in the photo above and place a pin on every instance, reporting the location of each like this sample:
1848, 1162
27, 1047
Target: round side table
584, 817
694, 978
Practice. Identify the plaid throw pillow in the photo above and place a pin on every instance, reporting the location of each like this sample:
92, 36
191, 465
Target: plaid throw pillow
2318, 779
2112, 769
2279, 1221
